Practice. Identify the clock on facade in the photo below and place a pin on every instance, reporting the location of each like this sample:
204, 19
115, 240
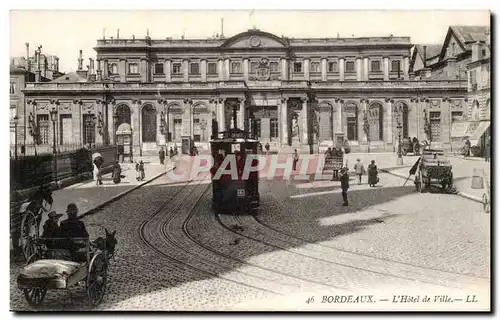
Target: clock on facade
254, 41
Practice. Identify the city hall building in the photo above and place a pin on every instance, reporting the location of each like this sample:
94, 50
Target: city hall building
308, 94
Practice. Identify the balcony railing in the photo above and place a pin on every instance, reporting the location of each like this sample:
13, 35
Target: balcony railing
236, 84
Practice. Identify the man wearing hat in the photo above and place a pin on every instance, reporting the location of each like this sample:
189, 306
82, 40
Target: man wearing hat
51, 226
359, 169
344, 184
73, 226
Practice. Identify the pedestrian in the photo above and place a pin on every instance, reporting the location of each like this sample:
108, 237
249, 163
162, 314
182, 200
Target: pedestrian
328, 152
51, 229
372, 174
97, 174
175, 150
267, 148
117, 173
171, 153
467, 148
141, 170
344, 184
359, 169
295, 159
73, 226
161, 154
487, 150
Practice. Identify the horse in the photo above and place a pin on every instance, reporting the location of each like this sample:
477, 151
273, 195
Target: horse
108, 243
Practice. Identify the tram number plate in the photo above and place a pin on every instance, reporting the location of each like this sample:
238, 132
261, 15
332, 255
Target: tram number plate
241, 192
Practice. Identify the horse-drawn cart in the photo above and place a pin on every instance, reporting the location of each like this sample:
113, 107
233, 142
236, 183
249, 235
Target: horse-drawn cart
434, 168
60, 263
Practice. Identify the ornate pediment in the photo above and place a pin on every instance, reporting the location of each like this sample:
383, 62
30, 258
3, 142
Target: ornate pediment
255, 39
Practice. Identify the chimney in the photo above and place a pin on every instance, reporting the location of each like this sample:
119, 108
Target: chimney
117, 34
91, 66
80, 72
80, 61
425, 56
476, 47
57, 64
45, 62
38, 72
28, 56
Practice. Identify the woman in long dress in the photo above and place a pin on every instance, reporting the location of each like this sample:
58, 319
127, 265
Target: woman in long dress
117, 172
372, 174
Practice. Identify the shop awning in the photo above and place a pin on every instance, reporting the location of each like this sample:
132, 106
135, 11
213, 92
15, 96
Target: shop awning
459, 129
478, 132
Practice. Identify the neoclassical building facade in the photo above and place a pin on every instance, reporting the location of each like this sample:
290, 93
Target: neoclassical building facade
292, 93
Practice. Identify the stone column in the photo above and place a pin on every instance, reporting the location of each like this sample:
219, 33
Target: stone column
99, 138
77, 113
111, 123
185, 70
341, 69
306, 68
245, 68
284, 69
227, 70
221, 113
284, 119
406, 67
445, 122
187, 118
203, 70
144, 70
386, 68
168, 70
99, 71
366, 70
122, 69
413, 118
363, 109
359, 69
389, 121
241, 114
220, 69
105, 72
136, 130
305, 123
337, 121
160, 138
323, 69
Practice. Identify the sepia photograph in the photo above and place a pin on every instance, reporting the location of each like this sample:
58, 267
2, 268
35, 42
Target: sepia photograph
250, 160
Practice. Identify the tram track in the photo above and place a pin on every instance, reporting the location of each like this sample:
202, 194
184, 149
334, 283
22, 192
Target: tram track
161, 228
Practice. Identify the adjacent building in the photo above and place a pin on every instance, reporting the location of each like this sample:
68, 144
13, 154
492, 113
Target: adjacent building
291, 92
41, 68
464, 55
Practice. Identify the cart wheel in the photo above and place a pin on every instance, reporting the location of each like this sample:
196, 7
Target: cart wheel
486, 203
422, 185
35, 296
29, 233
96, 279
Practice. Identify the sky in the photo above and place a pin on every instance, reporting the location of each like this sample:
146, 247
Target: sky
64, 33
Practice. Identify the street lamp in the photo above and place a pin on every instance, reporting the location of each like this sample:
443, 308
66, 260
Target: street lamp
398, 111
16, 120
366, 128
53, 116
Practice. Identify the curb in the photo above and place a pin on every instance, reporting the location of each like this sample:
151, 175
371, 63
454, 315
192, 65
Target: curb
115, 198
464, 195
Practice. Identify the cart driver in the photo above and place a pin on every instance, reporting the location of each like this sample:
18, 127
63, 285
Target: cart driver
73, 227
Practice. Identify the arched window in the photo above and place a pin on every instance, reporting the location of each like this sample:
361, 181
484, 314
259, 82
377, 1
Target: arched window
351, 112
375, 121
122, 115
325, 121
148, 124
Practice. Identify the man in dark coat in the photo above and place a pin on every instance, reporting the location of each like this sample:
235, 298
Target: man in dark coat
117, 173
51, 229
161, 154
73, 226
344, 184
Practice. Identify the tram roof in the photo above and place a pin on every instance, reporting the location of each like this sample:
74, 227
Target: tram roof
234, 136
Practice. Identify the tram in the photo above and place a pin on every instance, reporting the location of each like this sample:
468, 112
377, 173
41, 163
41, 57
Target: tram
231, 195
